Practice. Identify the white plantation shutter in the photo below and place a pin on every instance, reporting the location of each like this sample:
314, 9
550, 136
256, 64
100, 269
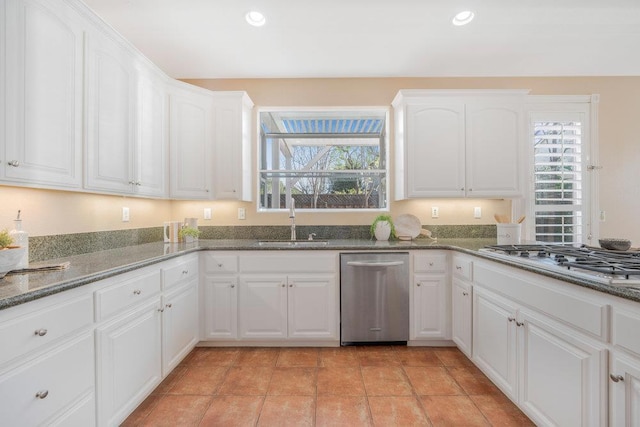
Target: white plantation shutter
560, 185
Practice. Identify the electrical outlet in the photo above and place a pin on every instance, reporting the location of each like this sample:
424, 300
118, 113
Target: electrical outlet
207, 213
477, 212
242, 213
125, 214
435, 212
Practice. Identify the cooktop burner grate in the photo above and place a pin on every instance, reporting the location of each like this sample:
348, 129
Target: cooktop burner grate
622, 264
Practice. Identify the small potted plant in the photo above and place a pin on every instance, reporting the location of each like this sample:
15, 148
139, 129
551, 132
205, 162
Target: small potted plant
382, 227
9, 255
188, 234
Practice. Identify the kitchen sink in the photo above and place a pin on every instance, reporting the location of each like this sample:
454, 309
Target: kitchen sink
292, 243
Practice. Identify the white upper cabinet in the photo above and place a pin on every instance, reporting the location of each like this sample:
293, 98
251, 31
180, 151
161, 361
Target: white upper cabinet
151, 150
232, 146
111, 122
190, 141
458, 143
43, 110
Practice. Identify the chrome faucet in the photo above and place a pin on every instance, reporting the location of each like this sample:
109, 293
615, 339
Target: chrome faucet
292, 215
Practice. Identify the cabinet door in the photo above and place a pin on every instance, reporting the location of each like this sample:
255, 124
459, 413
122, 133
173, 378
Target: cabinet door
312, 306
128, 362
493, 135
179, 325
111, 121
44, 94
190, 139
220, 308
232, 147
461, 315
494, 339
151, 149
435, 150
624, 390
262, 306
562, 374
51, 388
430, 307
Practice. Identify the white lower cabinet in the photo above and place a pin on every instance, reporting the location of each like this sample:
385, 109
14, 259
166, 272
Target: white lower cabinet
179, 324
430, 297
300, 306
292, 295
624, 390
55, 388
219, 308
461, 309
129, 362
552, 371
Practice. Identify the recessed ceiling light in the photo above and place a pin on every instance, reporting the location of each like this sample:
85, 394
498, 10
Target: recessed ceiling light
255, 18
463, 18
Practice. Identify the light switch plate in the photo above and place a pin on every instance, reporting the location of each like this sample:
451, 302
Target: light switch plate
477, 212
242, 213
125, 214
207, 213
435, 212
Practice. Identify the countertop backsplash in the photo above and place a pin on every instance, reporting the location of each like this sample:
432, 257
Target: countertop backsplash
43, 248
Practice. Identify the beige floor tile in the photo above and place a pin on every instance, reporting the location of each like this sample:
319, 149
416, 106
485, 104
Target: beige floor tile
430, 381
347, 411
246, 381
232, 411
397, 411
453, 411
178, 410
385, 381
293, 382
294, 411
500, 411
257, 356
340, 381
298, 357
199, 380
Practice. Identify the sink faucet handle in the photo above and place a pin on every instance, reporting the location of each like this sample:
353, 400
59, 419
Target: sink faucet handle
311, 236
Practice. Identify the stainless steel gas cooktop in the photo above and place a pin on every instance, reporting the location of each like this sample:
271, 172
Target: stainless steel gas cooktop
621, 268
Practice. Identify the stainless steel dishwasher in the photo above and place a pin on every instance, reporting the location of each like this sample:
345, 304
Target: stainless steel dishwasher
374, 297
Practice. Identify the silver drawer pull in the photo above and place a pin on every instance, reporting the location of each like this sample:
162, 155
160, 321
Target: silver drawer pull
185, 271
13, 163
168, 305
458, 267
161, 310
42, 394
465, 294
519, 323
374, 264
616, 378
511, 319
219, 265
430, 264
137, 291
283, 285
41, 332
233, 286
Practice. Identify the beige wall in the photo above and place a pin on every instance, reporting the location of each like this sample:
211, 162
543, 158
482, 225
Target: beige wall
54, 212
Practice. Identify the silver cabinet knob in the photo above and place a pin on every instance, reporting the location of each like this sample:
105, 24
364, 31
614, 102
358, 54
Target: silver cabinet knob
13, 163
220, 265
168, 305
291, 285
233, 286
431, 264
462, 189
185, 271
137, 291
417, 284
161, 310
616, 378
519, 323
511, 319
465, 294
42, 394
283, 285
41, 332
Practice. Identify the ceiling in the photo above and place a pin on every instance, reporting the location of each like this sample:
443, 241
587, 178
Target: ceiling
381, 38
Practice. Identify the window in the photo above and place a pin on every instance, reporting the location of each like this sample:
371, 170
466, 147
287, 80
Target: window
323, 158
560, 202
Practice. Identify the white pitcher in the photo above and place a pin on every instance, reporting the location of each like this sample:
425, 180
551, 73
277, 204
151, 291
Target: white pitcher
171, 229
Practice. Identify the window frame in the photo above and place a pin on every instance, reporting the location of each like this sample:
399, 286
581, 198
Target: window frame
384, 110
560, 107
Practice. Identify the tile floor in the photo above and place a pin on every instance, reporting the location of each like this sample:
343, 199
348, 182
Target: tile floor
346, 386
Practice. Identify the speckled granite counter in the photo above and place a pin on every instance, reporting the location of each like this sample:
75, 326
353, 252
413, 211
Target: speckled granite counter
88, 268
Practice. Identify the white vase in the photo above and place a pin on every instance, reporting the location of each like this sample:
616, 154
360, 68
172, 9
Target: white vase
382, 230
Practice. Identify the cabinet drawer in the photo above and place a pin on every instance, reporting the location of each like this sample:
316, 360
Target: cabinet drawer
179, 273
626, 324
42, 326
125, 294
430, 263
61, 378
463, 268
220, 264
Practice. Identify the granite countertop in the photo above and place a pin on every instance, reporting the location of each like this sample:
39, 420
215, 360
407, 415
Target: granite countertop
16, 289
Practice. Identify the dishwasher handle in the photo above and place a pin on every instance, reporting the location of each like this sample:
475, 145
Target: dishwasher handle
374, 263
